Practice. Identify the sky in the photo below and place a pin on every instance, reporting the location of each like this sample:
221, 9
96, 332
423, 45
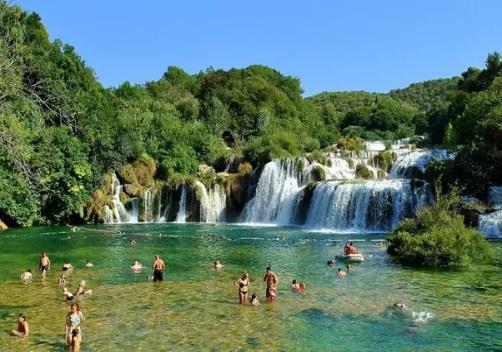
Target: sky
331, 45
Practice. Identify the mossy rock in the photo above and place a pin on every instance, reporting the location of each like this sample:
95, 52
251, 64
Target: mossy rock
362, 171
318, 173
245, 168
127, 174
124, 198
385, 159
143, 174
133, 189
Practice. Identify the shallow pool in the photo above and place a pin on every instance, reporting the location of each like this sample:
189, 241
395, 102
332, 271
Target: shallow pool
196, 308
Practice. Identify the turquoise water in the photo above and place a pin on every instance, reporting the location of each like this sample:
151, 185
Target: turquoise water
196, 308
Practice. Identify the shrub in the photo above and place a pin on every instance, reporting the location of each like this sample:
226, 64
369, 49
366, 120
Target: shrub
362, 171
384, 159
438, 238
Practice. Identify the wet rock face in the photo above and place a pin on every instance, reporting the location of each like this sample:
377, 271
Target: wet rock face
471, 217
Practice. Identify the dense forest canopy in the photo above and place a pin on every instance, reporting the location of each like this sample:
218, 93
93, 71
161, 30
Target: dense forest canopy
61, 130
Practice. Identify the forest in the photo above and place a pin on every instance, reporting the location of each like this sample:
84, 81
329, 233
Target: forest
61, 130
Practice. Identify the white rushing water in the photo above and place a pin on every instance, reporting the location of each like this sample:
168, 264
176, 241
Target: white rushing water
212, 203
409, 162
119, 211
370, 205
491, 224
147, 205
134, 211
182, 212
277, 188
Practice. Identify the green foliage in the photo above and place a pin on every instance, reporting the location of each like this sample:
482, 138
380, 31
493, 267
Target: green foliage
426, 95
384, 159
362, 171
438, 238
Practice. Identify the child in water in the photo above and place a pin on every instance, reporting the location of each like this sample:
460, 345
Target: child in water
254, 300
23, 330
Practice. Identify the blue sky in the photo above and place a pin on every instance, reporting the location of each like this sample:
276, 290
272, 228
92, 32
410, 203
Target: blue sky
330, 45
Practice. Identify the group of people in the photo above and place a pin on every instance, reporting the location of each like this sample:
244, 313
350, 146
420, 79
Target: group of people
243, 282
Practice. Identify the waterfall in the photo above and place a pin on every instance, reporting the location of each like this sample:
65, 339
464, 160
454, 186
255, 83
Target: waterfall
369, 206
277, 188
134, 211
108, 215
181, 216
409, 163
147, 206
119, 210
158, 216
212, 203
491, 223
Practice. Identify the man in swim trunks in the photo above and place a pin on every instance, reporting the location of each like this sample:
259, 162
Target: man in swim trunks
44, 264
271, 279
158, 269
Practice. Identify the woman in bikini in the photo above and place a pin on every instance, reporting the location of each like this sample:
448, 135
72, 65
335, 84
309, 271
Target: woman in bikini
73, 321
243, 284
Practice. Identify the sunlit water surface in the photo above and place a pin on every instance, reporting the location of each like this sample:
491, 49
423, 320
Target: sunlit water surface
196, 308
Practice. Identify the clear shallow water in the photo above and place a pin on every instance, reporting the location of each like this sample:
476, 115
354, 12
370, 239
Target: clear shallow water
196, 307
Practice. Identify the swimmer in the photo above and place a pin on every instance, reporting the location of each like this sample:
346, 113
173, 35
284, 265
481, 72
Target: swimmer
132, 242
67, 266
348, 268
81, 290
62, 280
44, 265
23, 330
254, 300
295, 286
88, 264
400, 306
217, 264
68, 295
331, 263
26, 276
340, 273
136, 266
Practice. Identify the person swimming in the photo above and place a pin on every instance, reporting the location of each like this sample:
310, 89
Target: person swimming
26, 276
88, 264
340, 273
254, 300
136, 266
218, 265
297, 287
400, 306
67, 265
330, 263
68, 295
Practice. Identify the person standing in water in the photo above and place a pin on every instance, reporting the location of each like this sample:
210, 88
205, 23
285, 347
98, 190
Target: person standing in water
158, 269
23, 330
271, 279
44, 265
73, 321
243, 285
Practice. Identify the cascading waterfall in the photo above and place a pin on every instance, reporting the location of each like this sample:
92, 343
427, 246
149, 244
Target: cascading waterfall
108, 215
182, 213
147, 206
408, 163
491, 224
370, 205
134, 211
119, 211
212, 203
277, 188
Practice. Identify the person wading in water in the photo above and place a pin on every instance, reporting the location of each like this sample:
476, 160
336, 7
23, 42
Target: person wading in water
158, 269
272, 281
